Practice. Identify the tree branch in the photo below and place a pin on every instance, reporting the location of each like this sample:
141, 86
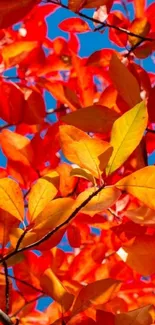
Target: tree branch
5, 319
103, 24
6, 287
52, 232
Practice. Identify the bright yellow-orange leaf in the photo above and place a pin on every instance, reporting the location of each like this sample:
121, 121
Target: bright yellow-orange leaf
96, 293
54, 288
55, 213
124, 81
94, 118
141, 255
140, 316
140, 184
86, 152
126, 134
142, 215
104, 200
83, 173
42, 192
11, 198
15, 52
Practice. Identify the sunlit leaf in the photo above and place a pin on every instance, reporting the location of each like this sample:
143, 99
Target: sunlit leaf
79, 148
14, 53
126, 134
125, 83
11, 198
42, 192
98, 292
74, 25
55, 213
140, 184
104, 200
54, 288
140, 26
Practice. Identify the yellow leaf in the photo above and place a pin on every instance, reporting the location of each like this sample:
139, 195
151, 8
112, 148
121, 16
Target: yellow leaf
83, 173
140, 184
55, 213
94, 118
86, 152
124, 81
16, 233
96, 293
140, 316
11, 198
103, 200
54, 288
126, 134
142, 215
42, 192
141, 255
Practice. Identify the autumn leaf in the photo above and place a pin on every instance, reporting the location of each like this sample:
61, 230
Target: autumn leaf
126, 134
55, 213
74, 25
42, 192
125, 83
141, 255
96, 293
16, 52
11, 198
14, 10
79, 148
139, 26
140, 316
104, 200
55, 289
140, 184
96, 118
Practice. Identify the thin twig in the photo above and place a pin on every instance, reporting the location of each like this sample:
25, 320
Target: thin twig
20, 239
133, 48
7, 296
52, 232
104, 24
26, 304
150, 130
25, 283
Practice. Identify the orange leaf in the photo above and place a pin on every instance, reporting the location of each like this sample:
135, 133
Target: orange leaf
139, 6
74, 25
11, 198
14, 53
140, 184
14, 10
94, 118
79, 148
124, 81
140, 316
54, 288
100, 58
55, 213
104, 200
96, 293
67, 181
59, 91
141, 255
16, 147
141, 27
42, 192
